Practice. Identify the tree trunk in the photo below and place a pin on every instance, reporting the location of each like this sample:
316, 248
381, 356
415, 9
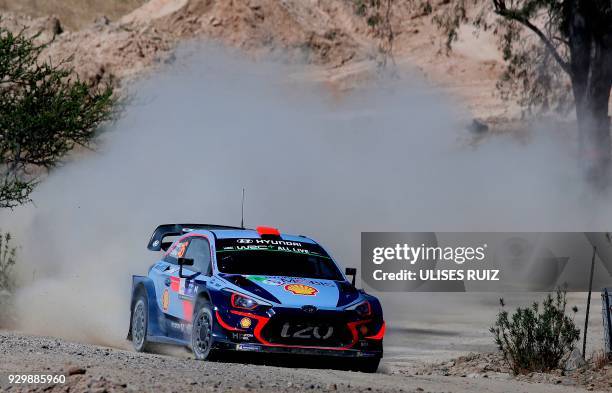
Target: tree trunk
591, 74
595, 146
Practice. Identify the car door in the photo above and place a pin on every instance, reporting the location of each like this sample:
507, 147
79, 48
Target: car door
184, 288
168, 280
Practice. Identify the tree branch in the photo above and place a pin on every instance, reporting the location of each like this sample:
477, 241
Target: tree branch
501, 10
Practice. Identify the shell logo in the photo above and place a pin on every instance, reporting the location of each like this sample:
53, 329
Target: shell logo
165, 300
301, 289
245, 323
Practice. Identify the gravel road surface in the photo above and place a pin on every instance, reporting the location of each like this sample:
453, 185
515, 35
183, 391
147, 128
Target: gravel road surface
91, 368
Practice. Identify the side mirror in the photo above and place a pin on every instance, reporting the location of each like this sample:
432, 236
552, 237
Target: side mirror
184, 262
351, 271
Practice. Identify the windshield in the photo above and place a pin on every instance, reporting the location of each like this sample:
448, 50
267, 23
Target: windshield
275, 258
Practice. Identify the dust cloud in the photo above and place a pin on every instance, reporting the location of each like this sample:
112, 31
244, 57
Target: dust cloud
384, 157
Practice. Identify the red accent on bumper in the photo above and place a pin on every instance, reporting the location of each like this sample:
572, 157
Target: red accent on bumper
380, 334
224, 325
262, 321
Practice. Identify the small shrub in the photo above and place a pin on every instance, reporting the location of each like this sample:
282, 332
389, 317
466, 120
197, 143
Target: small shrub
537, 338
361, 7
8, 256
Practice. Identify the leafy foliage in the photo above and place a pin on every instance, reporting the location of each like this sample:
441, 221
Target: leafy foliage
539, 338
45, 111
558, 56
532, 36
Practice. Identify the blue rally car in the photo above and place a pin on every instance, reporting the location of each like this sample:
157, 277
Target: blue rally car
219, 288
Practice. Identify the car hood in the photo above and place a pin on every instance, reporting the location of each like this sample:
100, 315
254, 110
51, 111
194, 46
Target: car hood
296, 291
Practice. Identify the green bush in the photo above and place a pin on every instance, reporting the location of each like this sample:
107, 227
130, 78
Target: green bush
45, 112
537, 338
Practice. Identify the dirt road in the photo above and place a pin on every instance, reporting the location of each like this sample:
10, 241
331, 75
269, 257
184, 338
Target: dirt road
100, 369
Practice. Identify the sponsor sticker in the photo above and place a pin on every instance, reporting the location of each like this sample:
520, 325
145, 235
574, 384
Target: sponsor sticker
270, 245
179, 250
247, 347
183, 327
242, 336
245, 323
187, 288
278, 281
182, 249
273, 281
301, 289
267, 280
165, 300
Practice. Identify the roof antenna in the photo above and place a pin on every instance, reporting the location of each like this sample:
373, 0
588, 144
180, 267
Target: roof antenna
242, 214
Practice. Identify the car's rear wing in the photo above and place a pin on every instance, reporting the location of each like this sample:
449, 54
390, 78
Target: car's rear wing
163, 231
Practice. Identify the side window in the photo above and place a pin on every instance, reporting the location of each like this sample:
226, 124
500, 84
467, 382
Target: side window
177, 252
199, 251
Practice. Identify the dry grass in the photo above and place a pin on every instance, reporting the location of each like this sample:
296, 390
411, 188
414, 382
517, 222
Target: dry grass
73, 14
600, 360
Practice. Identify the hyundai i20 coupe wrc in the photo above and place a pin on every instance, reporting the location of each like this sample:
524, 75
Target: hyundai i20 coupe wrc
218, 288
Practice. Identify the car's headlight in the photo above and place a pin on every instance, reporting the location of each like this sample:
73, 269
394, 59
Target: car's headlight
241, 301
363, 309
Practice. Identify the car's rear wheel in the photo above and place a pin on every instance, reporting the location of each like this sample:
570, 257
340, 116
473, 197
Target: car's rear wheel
139, 323
367, 365
202, 340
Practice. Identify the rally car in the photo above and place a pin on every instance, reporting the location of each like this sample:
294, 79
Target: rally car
218, 288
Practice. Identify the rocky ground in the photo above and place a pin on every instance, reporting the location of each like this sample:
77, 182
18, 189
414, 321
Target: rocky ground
338, 46
92, 368
74, 14
590, 376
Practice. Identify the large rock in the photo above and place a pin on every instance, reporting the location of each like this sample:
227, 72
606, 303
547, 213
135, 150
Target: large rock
575, 361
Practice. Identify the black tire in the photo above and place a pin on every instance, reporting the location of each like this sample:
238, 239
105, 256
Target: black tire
202, 340
140, 322
367, 365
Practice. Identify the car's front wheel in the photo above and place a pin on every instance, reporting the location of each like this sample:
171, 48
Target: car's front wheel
139, 323
202, 332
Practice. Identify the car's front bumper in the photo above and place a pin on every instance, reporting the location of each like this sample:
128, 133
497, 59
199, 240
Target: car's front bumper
297, 350
353, 337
